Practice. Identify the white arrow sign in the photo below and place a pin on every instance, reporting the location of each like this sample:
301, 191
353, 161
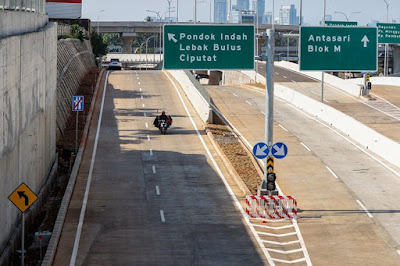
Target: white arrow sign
365, 40
171, 36
261, 151
280, 151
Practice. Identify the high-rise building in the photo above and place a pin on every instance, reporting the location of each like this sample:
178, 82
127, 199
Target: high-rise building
240, 5
259, 7
267, 18
220, 11
287, 15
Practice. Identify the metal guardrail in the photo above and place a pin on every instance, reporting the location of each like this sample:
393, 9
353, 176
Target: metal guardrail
38, 6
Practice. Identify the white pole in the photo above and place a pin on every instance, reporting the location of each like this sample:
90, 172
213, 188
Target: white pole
23, 240
323, 73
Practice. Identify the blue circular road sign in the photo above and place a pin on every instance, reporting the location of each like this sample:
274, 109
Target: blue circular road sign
261, 150
279, 150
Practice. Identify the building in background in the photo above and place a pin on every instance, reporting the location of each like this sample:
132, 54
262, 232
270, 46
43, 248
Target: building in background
220, 11
287, 15
259, 7
71, 9
240, 5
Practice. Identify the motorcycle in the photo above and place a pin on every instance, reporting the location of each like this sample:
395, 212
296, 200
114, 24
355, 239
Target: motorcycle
163, 126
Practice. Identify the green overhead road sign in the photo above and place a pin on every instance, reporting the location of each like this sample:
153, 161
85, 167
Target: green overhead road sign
341, 23
388, 33
208, 46
338, 48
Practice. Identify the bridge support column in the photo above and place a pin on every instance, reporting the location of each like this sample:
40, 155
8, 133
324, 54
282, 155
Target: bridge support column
127, 44
396, 60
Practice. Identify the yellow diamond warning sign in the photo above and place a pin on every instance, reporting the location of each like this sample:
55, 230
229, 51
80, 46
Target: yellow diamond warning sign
23, 197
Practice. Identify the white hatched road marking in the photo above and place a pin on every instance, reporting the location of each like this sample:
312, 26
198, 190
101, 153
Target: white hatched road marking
162, 216
305, 146
285, 252
248, 102
331, 171
281, 243
262, 112
294, 222
365, 209
157, 191
385, 107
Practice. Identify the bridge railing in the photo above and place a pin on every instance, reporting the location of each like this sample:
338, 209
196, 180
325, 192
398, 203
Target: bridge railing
38, 6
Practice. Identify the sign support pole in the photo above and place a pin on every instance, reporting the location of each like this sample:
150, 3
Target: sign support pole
269, 103
23, 240
76, 133
323, 73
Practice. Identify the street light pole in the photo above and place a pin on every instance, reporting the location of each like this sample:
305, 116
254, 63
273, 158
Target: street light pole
195, 11
347, 17
98, 21
323, 73
386, 63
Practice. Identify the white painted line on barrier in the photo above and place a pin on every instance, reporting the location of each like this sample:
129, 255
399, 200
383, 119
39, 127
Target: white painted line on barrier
285, 77
157, 191
147, 125
221, 175
151, 152
162, 216
154, 169
330, 170
248, 102
89, 180
283, 128
235, 95
143, 105
305, 146
365, 209
148, 137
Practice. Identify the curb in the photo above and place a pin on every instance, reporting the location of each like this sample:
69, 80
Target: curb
62, 213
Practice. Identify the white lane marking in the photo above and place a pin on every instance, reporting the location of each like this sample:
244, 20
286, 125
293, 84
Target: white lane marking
139, 82
285, 77
221, 175
283, 128
276, 73
331, 171
262, 112
365, 209
224, 90
398, 251
294, 81
313, 92
137, 77
141, 97
154, 169
148, 137
235, 95
151, 152
296, 226
144, 114
327, 101
140, 89
305, 146
162, 216
248, 102
388, 89
157, 191
89, 180
147, 125
143, 105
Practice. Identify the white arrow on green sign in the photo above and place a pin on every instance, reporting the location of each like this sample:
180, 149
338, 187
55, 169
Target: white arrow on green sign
338, 48
208, 46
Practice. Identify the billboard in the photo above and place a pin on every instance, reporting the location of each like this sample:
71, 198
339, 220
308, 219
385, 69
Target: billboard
64, 8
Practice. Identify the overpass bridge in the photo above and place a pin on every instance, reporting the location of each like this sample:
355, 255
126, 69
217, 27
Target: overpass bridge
128, 30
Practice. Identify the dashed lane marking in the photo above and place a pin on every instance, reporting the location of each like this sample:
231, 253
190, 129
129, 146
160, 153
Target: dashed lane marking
157, 191
148, 137
365, 209
140, 89
283, 128
285, 77
294, 81
143, 105
139, 82
331, 171
141, 97
144, 114
154, 169
305, 146
162, 216
235, 95
151, 152
248, 102
147, 125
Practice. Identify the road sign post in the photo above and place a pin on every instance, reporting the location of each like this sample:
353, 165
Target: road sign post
213, 47
338, 49
23, 198
77, 106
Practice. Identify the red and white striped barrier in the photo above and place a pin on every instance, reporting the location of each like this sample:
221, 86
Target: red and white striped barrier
271, 207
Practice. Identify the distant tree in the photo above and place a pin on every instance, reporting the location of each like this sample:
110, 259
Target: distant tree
98, 44
112, 39
148, 18
77, 32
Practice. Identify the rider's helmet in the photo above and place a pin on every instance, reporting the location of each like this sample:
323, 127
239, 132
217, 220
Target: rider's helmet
163, 112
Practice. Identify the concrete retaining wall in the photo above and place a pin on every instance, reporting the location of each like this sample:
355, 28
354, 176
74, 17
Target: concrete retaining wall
367, 137
74, 59
236, 77
339, 83
199, 102
28, 72
19, 22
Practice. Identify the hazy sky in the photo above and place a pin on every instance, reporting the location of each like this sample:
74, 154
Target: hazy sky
135, 10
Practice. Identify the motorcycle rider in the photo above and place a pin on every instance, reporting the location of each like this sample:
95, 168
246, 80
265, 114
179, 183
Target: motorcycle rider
163, 116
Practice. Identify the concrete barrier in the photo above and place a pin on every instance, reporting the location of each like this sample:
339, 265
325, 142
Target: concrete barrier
334, 81
28, 72
19, 22
389, 81
199, 101
367, 137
